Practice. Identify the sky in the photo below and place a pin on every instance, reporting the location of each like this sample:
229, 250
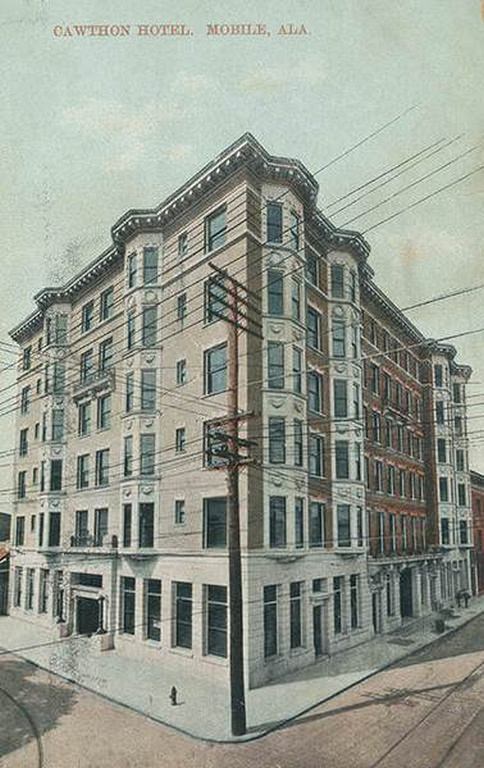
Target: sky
92, 126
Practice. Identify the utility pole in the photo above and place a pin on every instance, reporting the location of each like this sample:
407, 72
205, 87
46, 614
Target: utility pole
230, 444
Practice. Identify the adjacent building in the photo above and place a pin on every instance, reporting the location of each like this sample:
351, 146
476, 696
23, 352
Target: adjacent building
477, 493
355, 511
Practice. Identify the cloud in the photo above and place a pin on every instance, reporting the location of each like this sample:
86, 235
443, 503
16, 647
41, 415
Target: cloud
310, 72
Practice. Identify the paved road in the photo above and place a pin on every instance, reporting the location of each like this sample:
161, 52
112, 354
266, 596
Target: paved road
426, 712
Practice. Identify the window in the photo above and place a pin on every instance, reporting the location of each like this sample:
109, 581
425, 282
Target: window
183, 614
438, 376
127, 524
215, 445
274, 222
354, 600
180, 440
316, 462
128, 602
461, 495
443, 489
312, 269
56, 475
215, 369
83, 471
391, 480
298, 443
179, 511
401, 482
270, 620
146, 524
275, 365
87, 320
277, 440
215, 229
26, 358
181, 306
181, 372
87, 366
148, 389
313, 320
386, 386
153, 609
100, 527
337, 281
458, 426
378, 475
129, 402
357, 461
183, 245
316, 524
275, 292
215, 523
54, 529
23, 442
295, 612
19, 531
337, 604
106, 304
299, 521
463, 535
104, 412
21, 485
59, 379
216, 299
43, 584
25, 400
102, 467
128, 456
354, 341
339, 339
294, 227
439, 412
375, 379
277, 521
216, 620
150, 326
296, 299
130, 329
441, 451
132, 270
297, 370
342, 460
456, 393
393, 532
444, 531
403, 525
29, 588
147, 454
376, 418
315, 392
353, 286
343, 512
17, 587
359, 526
388, 433
460, 461
356, 401
150, 265
106, 354
340, 389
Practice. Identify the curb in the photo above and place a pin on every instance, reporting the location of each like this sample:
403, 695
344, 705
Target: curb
275, 727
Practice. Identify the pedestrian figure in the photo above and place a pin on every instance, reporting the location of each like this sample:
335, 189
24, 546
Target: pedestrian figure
466, 597
459, 597
173, 695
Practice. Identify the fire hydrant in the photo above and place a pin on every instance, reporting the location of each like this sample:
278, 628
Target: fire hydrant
173, 695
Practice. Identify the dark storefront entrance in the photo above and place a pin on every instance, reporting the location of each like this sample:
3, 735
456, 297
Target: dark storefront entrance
406, 601
87, 615
318, 630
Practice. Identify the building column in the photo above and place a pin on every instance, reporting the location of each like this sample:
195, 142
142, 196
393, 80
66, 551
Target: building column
416, 591
198, 620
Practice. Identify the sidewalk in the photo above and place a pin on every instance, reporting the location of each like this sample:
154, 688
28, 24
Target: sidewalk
145, 686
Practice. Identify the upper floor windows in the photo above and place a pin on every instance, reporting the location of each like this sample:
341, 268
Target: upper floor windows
149, 326
215, 369
216, 299
275, 292
87, 320
150, 265
106, 304
274, 222
312, 269
183, 245
337, 281
26, 358
339, 338
294, 230
438, 375
132, 269
313, 328
215, 229
275, 365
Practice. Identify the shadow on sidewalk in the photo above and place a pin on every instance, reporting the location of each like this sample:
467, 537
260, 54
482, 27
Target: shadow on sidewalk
29, 706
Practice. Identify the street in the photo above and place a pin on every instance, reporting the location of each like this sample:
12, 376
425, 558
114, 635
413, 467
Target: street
426, 711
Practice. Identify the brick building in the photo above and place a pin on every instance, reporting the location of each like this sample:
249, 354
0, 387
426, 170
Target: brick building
356, 513
477, 495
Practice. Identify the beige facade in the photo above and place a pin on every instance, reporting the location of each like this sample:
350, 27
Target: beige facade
124, 514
